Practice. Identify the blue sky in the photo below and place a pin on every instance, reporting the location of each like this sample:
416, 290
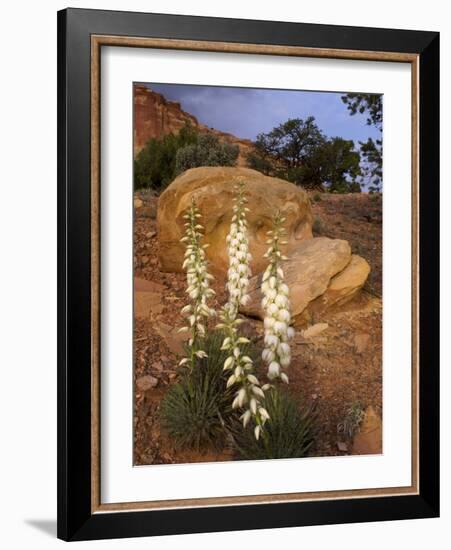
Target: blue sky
245, 112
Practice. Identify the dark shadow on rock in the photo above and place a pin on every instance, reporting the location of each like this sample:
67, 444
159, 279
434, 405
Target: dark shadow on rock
47, 526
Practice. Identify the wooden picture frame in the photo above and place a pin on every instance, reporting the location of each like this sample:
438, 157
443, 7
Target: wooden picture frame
81, 35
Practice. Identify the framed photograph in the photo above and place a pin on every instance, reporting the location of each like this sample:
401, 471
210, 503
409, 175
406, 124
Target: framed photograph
248, 274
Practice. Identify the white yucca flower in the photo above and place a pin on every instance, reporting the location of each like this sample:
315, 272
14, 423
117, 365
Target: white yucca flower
276, 305
249, 396
198, 285
240, 258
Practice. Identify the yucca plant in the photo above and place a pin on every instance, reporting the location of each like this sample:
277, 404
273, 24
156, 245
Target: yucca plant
288, 434
276, 305
249, 396
198, 286
197, 411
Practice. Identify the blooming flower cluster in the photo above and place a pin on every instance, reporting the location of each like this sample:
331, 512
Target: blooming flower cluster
250, 396
198, 281
276, 305
238, 250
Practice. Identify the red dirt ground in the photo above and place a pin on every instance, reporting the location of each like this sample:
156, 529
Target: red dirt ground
336, 369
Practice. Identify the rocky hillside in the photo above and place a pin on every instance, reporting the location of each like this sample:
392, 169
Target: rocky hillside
155, 116
337, 351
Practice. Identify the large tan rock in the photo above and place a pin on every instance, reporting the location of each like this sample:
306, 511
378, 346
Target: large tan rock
308, 271
348, 282
344, 286
212, 187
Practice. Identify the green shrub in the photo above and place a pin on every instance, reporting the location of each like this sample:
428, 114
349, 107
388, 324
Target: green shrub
288, 434
162, 159
297, 150
154, 166
352, 420
207, 151
345, 186
317, 226
259, 163
196, 411
358, 248
317, 197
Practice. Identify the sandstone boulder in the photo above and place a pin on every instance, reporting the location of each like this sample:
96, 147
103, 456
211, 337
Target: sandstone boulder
212, 187
308, 271
343, 286
348, 282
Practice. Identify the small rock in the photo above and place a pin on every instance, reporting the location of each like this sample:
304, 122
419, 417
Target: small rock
299, 339
314, 396
137, 203
163, 329
172, 337
156, 309
143, 285
145, 260
147, 382
147, 303
342, 447
151, 234
361, 341
369, 439
314, 330
147, 212
157, 366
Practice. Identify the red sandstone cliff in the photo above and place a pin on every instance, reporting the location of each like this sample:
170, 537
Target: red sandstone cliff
155, 116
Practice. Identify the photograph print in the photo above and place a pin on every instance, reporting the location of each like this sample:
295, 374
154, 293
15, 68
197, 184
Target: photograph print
257, 273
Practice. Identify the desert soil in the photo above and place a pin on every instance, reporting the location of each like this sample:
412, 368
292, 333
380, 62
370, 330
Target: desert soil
334, 370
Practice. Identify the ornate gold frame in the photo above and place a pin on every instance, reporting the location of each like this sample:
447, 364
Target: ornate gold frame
97, 41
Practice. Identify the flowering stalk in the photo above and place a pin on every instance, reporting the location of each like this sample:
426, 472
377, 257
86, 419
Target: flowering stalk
250, 395
198, 280
239, 271
276, 305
